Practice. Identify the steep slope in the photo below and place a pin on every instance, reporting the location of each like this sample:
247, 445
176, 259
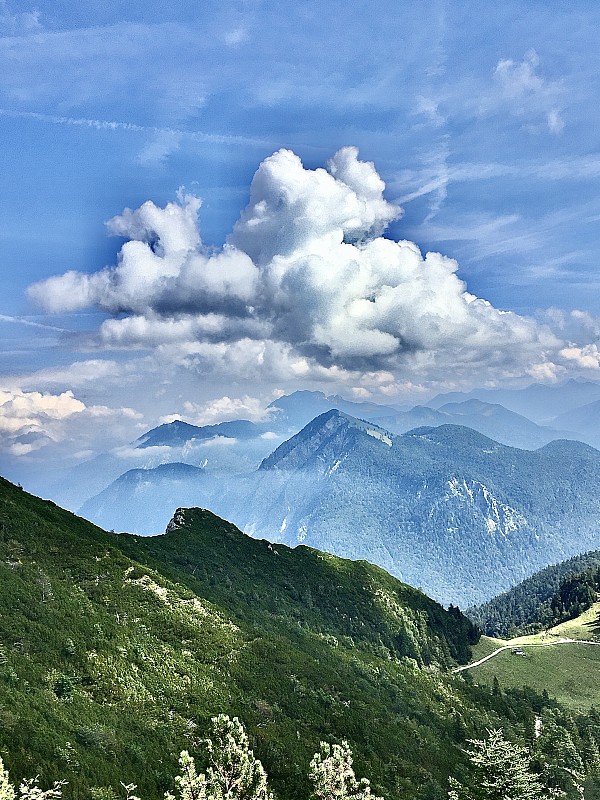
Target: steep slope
539, 600
490, 419
443, 508
115, 651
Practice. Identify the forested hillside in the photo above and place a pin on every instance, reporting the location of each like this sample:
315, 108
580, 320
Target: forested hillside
117, 650
559, 592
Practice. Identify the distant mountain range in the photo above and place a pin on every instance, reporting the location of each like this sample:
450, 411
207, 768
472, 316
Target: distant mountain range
539, 402
296, 410
239, 446
232, 447
443, 508
491, 419
180, 434
143, 500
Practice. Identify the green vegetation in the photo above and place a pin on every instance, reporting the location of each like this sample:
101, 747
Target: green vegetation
116, 652
567, 672
554, 594
500, 769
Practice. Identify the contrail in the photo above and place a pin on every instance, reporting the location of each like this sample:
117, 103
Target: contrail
116, 125
22, 321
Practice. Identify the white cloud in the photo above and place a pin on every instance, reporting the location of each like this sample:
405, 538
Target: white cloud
587, 357
524, 92
30, 421
226, 408
306, 289
77, 374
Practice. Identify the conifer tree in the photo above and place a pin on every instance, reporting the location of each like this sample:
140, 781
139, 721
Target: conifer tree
190, 784
29, 789
233, 772
333, 778
7, 791
501, 770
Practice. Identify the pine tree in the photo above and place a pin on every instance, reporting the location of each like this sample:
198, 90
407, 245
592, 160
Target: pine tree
191, 786
501, 770
29, 789
333, 778
7, 791
233, 772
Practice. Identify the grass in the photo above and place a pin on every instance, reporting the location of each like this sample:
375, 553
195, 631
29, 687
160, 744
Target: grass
570, 673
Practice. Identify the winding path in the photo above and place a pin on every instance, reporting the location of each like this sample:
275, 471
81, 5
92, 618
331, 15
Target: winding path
562, 640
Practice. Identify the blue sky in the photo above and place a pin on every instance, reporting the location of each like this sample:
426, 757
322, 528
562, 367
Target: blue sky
481, 119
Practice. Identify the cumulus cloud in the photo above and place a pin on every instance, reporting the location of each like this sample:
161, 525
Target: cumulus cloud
30, 421
226, 408
307, 287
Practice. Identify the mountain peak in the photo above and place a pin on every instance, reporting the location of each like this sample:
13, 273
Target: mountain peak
327, 435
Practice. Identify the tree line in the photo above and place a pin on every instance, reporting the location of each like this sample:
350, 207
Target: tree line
499, 770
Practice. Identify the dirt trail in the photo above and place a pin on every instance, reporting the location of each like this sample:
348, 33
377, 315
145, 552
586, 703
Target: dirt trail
562, 640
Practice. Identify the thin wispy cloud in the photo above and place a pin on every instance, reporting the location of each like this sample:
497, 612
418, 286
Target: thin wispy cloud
132, 127
31, 324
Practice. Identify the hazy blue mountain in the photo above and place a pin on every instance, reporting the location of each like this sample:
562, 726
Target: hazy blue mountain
297, 409
179, 433
236, 446
584, 421
143, 500
491, 419
443, 508
540, 402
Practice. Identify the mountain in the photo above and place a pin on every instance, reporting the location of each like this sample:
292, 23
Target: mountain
544, 599
142, 500
443, 508
297, 409
584, 421
490, 419
539, 402
179, 433
236, 446
115, 651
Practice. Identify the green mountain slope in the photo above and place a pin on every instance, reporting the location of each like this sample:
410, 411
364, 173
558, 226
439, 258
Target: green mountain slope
116, 650
551, 595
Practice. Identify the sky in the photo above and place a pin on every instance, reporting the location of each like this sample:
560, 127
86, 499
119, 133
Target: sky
206, 205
